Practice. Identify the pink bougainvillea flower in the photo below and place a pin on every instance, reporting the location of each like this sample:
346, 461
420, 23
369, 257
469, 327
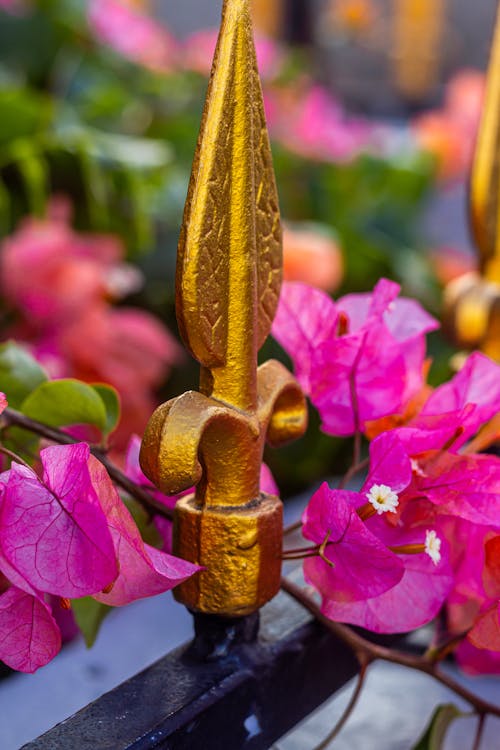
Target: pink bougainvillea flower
15, 7
3, 402
29, 635
361, 566
199, 47
477, 383
143, 570
310, 122
133, 34
60, 262
410, 552
53, 531
359, 359
413, 601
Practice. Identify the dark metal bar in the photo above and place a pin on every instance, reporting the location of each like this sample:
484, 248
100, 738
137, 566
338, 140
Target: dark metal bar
230, 688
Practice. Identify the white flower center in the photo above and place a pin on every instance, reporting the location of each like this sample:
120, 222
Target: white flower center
383, 499
433, 546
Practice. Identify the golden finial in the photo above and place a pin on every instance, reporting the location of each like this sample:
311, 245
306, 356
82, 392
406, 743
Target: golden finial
418, 27
473, 301
228, 281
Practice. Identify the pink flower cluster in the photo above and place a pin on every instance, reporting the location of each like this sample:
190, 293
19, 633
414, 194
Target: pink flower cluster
423, 531
310, 122
68, 534
66, 317
132, 33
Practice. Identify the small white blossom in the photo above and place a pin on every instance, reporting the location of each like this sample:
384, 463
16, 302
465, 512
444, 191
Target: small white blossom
383, 499
432, 546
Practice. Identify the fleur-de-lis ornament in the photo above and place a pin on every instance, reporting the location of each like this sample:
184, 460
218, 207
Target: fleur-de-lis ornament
229, 271
472, 301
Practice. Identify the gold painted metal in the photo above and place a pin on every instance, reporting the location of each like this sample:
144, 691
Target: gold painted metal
229, 272
472, 302
418, 30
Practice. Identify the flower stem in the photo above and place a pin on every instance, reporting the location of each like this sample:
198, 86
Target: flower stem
348, 710
371, 651
144, 498
479, 731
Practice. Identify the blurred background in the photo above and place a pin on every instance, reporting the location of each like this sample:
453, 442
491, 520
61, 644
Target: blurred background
372, 107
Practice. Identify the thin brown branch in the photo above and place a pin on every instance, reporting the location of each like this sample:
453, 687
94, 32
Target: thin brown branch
348, 710
13, 456
373, 651
15, 418
292, 527
479, 732
354, 469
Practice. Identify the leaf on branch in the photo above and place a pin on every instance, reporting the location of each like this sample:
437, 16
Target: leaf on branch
434, 735
20, 373
60, 403
89, 616
112, 404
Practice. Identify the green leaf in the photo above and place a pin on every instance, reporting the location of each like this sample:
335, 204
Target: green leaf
61, 403
435, 733
89, 616
111, 400
34, 171
20, 373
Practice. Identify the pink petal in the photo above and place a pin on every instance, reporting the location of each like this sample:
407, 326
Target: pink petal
414, 600
29, 636
486, 632
3, 402
411, 603
406, 320
389, 463
54, 533
267, 483
478, 382
357, 378
362, 565
306, 317
475, 661
430, 432
144, 571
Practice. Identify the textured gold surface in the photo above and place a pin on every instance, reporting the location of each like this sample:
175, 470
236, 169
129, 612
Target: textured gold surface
472, 303
229, 272
485, 177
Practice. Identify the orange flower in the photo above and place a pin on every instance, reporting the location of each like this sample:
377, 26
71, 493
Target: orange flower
352, 16
311, 257
449, 134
